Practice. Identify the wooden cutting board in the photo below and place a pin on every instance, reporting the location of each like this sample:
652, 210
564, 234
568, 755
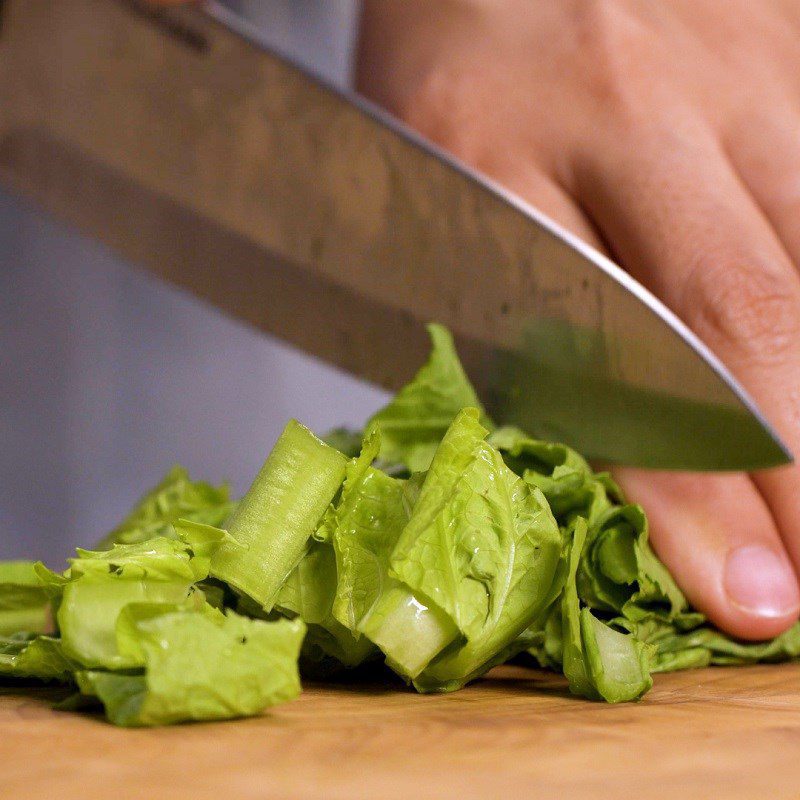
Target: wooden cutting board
715, 733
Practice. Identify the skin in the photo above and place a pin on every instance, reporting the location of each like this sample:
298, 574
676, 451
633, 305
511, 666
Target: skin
665, 133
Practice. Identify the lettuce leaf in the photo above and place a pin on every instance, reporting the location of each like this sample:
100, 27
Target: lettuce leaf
272, 524
367, 522
505, 547
598, 661
199, 666
413, 424
24, 604
98, 585
619, 572
478, 558
308, 594
27, 655
175, 497
692, 643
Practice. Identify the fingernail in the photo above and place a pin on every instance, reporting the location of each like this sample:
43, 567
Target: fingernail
760, 581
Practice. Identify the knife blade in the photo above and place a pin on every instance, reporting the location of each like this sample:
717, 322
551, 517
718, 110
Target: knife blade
187, 145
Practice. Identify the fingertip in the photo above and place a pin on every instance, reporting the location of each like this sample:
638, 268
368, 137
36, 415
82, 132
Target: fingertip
762, 592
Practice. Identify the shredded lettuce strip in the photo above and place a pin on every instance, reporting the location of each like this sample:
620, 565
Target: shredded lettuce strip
436, 542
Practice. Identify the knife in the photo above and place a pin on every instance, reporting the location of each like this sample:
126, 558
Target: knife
179, 139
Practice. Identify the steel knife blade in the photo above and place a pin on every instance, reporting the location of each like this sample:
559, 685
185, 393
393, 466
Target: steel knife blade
182, 141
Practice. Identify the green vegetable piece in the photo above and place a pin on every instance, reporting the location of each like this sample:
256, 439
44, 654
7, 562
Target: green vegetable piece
274, 521
200, 666
619, 572
98, 585
175, 497
502, 549
415, 421
677, 645
308, 593
414, 622
367, 523
618, 662
573, 662
24, 603
598, 661
26, 655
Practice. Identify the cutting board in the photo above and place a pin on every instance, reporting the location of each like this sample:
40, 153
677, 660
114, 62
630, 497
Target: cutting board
715, 733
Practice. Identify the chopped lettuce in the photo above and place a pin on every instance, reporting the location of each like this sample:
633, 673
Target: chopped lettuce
437, 541
502, 550
175, 497
598, 661
308, 594
98, 585
28, 655
414, 422
366, 524
272, 524
476, 560
199, 666
24, 604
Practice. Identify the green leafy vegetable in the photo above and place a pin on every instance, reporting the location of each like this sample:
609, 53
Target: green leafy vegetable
175, 497
309, 593
413, 424
26, 655
271, 527
500, 546
199, 666
436, 541
98, 585
24, 604
367, 523
599, 662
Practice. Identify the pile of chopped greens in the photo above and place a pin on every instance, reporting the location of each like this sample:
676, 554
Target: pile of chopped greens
437, 542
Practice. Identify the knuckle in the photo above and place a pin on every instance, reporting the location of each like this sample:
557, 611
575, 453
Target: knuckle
745, 308
617, 49
442, 106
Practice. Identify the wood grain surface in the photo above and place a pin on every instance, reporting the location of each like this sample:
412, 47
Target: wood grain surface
715, 733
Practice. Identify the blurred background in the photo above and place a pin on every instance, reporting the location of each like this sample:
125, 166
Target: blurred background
109, 377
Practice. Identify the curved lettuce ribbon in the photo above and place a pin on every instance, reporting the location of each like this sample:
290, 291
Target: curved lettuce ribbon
28, 655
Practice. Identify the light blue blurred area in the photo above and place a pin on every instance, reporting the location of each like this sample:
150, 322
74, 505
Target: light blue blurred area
108, 377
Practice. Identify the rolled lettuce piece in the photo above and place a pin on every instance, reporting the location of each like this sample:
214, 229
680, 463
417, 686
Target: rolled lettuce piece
198, 665
24, 604
98, 585
273, 523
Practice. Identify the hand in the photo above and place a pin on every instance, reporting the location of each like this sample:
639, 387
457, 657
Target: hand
667, 133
